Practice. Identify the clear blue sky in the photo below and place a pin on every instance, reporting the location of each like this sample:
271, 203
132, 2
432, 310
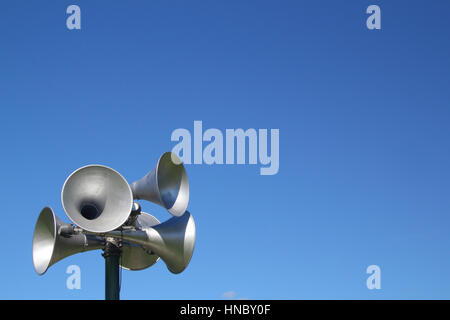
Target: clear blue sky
364, 140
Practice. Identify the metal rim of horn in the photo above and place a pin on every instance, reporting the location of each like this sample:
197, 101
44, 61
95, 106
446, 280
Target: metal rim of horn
97, 198
167, 185
44, 239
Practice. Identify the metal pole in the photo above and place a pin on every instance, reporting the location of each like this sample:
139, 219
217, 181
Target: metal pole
112, 254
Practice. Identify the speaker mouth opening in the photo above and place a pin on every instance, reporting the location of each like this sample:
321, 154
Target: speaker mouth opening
90, 211
172, 183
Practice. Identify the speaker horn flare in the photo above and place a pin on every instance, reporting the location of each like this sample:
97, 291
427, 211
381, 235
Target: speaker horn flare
167, 185
49, 246
97, 198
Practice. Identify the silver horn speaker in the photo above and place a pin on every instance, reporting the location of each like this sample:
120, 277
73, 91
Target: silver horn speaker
97, 198
50, 246
167, 185
135, 256
173, 241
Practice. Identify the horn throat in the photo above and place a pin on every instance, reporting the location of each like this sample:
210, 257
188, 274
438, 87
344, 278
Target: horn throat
89, 211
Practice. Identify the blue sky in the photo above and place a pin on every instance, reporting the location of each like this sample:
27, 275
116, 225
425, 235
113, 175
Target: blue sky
364, 140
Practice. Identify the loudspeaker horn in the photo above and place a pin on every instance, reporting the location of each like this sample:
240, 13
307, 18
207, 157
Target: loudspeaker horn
173, 241
51, 246
167, 185
97, 198
135, 256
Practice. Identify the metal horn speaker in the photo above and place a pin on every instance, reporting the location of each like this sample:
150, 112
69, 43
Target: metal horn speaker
97, 198
134, 256
173, 241
51, 246
167, 185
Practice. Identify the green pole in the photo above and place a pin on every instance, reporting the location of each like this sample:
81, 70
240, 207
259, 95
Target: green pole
112, 256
